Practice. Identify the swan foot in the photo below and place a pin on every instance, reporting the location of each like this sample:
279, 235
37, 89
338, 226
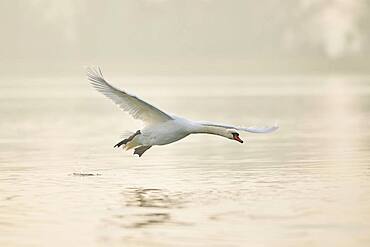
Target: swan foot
125, 141
140, 150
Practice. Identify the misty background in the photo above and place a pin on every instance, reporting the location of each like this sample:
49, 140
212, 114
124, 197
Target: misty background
185, 37
302, 64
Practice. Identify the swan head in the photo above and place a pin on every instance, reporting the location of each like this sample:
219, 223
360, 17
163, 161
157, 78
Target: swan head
234, 135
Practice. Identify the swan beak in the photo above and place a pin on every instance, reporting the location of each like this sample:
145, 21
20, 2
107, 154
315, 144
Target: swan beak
237, 138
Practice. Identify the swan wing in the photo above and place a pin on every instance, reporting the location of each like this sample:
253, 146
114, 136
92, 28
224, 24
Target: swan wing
137, 108
252, 129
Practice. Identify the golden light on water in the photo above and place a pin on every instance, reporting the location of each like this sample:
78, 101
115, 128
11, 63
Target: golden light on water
302, 64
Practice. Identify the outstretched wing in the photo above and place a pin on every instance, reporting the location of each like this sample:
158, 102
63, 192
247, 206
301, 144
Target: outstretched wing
252, 129
136, 107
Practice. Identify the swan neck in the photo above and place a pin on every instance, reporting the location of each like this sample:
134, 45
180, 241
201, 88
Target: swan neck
203, 129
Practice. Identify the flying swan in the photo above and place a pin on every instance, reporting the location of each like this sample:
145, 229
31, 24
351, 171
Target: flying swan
160, 128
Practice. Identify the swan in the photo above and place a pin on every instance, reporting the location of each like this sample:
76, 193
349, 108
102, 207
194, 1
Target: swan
160, 128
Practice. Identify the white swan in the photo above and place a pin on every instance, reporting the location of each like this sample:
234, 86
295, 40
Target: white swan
160, 127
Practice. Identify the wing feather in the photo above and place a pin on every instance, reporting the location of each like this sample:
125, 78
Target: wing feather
136, 107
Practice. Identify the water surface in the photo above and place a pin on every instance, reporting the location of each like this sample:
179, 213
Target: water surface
63, 184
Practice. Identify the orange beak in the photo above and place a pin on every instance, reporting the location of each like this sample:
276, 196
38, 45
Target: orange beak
237, 138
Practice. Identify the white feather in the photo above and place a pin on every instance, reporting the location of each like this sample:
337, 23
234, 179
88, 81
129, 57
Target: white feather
137, 108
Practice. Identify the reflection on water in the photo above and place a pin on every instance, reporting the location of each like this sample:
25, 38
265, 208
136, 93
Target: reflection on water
62, 183
152, 198
143, 220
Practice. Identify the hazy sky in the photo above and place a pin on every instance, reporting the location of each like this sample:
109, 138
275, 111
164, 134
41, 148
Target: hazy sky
137, 31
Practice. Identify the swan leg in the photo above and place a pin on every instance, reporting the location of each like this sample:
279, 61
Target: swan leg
125, 141
140, 150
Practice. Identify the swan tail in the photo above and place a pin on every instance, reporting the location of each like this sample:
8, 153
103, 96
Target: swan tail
132, 144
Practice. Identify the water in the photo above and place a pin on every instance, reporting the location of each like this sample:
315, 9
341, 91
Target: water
63, 184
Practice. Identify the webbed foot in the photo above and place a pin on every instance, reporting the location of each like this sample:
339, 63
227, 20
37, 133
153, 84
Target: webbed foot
125, 141
140, 150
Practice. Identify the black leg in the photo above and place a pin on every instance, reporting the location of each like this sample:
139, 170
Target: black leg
125, 141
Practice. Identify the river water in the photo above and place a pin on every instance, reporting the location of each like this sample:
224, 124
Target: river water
63, 184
